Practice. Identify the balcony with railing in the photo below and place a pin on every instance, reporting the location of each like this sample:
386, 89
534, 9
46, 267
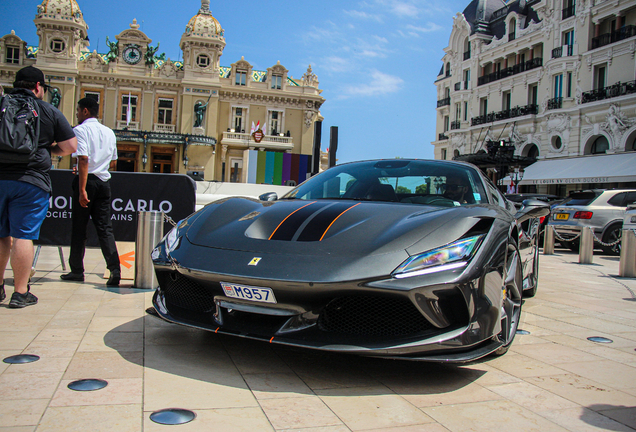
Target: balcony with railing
245, 140
510, 71
167, 128
568, 12
456, 125
443, 102
555, 103
517, 111
615, 90
122, 125
614, 36
458, 86
560, 52
442, 137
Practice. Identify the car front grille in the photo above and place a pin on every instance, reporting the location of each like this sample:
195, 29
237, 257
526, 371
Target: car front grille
185, 293
372, 316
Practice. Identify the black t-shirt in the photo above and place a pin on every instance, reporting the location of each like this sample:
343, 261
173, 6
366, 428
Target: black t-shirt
53, 128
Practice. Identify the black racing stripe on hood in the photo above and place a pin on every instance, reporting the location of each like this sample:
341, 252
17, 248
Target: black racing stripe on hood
316, 228
288, 227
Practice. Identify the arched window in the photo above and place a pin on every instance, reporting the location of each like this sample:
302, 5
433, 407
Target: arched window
600, 145
466, 49
455, 153
512, 30
448, 71
533, 152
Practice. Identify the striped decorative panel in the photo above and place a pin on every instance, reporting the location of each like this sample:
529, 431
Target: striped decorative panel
276, 168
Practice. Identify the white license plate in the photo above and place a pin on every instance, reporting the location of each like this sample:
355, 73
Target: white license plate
245, 292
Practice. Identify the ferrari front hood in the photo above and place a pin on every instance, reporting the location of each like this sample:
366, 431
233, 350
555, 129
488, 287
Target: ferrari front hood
324, 227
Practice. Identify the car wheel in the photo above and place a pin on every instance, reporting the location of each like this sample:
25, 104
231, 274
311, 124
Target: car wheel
612, 234
533, 277
511, 299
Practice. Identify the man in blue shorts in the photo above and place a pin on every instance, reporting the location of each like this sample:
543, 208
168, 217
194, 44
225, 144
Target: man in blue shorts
25, 188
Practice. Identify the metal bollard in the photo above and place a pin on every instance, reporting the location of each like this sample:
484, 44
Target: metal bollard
586, 246
548, 240
149, 233
627, 266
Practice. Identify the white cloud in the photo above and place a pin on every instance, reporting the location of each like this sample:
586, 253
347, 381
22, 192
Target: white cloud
363, 15
378, 84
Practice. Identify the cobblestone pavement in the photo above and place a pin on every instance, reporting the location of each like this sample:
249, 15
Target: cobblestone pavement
553, 379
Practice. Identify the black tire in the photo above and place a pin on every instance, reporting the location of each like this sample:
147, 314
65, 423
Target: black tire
613, 233
511, 300
533, 278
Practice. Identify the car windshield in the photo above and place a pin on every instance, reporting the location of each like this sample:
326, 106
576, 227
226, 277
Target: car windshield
436, 183
580, 198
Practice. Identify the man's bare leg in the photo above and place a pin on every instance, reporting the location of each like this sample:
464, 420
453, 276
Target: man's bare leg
5, 253
21, 262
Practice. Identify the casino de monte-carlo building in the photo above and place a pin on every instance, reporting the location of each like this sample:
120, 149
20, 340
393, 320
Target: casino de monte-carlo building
191, 116
543, 91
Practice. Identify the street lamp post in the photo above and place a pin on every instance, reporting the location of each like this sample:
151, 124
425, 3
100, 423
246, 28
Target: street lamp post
517, 175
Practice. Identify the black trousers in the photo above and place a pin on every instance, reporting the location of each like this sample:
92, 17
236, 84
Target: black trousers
99, 211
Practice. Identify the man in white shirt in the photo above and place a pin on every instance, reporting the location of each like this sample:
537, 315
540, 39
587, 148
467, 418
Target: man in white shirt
96, 153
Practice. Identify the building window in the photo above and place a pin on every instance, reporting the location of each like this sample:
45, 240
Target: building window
13, 55
241, 78
128, 104
600, 145
275, 122
443, 154
458, 111
512, 31
164, 111
533, 94
505, 100
557, 143
277, 82
483, 106
465, 111
568, 92
162, 159
446, 123
238, 121
127, 157
599, 77
568, 40
558, 86
203, 61
92, 95
448, 71
57, 45
466, 79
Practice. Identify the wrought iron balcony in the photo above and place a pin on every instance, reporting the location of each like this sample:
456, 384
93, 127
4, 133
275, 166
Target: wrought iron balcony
443, 102
458, 86
517, 111
555, 103
615, 90
614, 36
558, 51
568, 12
506, 72
455, 125
442, 137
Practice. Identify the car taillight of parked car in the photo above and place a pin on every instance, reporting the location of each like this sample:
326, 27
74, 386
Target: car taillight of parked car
541, 219
583, 215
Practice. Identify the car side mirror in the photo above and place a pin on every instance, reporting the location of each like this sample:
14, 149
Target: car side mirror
268, 196
532, 209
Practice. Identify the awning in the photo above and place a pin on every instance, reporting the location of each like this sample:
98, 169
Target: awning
614, 168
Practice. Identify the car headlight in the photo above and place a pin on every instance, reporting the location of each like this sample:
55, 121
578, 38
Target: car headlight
173, 238
451, 256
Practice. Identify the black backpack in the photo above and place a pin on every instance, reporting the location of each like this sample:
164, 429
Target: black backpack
19, 128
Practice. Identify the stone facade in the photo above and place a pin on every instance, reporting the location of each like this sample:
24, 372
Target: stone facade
169, 116
553, 78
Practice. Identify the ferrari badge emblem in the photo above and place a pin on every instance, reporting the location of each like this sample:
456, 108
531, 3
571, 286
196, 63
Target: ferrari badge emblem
255, 261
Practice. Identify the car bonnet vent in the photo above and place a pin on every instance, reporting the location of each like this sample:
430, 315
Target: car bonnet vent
481, 227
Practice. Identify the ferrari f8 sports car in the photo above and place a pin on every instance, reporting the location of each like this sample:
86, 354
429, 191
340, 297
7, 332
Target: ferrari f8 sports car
414, 259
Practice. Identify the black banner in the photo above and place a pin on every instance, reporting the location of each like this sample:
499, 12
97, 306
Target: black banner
174, 194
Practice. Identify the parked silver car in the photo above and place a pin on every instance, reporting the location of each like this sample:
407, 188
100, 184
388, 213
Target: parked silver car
602, 210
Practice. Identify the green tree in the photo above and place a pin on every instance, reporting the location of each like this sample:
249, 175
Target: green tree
422, 189
402, 190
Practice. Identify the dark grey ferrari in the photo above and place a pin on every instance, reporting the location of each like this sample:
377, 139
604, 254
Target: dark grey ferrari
413, 259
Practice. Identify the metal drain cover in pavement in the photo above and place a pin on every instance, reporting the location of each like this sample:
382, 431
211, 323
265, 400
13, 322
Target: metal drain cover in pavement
599, 339
522, 332
87, 385
21, 358
172, 416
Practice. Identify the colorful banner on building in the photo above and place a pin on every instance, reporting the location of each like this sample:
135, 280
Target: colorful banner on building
276, 168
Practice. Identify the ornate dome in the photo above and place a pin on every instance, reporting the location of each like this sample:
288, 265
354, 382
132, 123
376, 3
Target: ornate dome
66, 8
203, 23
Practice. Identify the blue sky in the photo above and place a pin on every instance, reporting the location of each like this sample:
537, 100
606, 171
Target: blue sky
376, 60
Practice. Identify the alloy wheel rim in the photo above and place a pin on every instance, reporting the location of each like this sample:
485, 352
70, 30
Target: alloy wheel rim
511, 304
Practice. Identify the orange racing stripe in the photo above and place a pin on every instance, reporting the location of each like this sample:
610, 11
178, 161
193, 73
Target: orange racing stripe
288, 216
332, 222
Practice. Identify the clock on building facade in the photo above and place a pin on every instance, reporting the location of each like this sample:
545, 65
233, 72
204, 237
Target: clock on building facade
132, 54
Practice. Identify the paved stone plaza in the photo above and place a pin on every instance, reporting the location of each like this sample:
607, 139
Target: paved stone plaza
553, 379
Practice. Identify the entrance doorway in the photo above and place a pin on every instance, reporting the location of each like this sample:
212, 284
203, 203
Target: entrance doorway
162, 159
127, 157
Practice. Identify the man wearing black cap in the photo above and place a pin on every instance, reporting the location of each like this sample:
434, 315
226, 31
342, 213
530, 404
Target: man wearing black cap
25, 188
